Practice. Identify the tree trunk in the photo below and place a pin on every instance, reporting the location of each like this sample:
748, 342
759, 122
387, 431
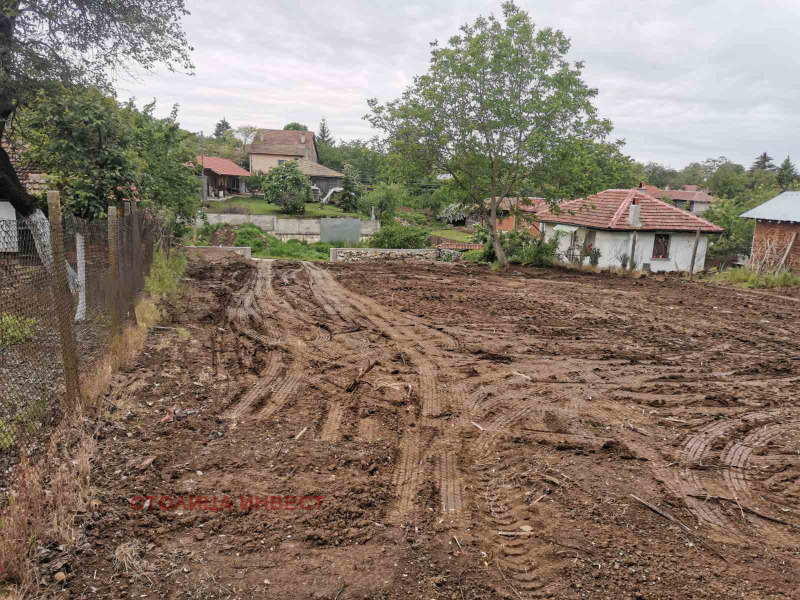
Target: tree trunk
498, 248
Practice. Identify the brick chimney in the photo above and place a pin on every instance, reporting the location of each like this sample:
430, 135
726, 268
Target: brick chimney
635, 213
302, 138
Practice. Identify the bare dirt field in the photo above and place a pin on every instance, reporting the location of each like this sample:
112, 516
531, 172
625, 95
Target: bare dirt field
451, 433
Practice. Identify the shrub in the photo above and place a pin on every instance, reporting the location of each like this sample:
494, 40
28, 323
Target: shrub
538, 253
475, 256
348, 201
286, 186
256, 182
513, 243
14, 329
453, 213
386, 197
250, 235
398, 236
594, 257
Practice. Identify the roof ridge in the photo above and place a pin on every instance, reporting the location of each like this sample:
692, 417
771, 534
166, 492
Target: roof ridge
622, 207
684, 213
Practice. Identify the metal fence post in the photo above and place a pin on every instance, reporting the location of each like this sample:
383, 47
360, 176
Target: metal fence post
62, 299
113, 267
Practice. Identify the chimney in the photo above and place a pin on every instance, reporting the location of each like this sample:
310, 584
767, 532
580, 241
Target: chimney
302, 138
641, 184
635, 213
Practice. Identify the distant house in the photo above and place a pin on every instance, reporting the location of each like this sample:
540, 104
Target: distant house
273, 147
519, 213
222, 176
689, 197
610, 222
776, 233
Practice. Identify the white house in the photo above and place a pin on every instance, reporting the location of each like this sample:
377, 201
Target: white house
624, 223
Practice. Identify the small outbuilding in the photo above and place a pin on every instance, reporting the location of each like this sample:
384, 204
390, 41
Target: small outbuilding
628, 225
775, 239
222, 176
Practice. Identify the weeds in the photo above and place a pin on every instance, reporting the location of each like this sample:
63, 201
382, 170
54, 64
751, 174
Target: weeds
749, 278
14, 329
165, 273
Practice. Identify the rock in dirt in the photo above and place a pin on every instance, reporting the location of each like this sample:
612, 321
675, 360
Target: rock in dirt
59, 577
146, 462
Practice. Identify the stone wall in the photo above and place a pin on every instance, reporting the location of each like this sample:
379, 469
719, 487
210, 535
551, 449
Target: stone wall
286, 229
361, 254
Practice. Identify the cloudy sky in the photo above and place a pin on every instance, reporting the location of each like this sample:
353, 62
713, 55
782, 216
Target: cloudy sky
681, 80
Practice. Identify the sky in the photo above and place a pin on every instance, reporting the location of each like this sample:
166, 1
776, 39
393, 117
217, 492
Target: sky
682, 80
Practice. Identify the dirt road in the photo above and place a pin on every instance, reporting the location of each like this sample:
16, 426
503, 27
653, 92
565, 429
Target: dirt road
450, 432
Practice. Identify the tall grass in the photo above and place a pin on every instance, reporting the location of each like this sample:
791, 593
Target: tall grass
165, 273
749, 278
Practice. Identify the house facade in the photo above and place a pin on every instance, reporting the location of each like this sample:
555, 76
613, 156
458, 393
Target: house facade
621, 224
520, 213
273, 147
777, 233
222, 176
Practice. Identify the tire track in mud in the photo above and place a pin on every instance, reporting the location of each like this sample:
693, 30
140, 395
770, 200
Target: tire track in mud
416, 347
407, 476
330, 430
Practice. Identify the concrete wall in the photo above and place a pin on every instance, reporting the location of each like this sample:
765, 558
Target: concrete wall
361, 254
614, 244
245, 251
286, 229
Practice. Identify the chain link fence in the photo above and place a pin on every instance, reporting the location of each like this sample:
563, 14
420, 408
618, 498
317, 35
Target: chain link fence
67, 288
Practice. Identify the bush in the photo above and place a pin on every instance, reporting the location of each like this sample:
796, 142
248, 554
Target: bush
14, 329
538, 253
594, 257
252, 236
454, 214
286, 186
749, 278
348, 201
512, 242
386, 197
398, 236
474, 256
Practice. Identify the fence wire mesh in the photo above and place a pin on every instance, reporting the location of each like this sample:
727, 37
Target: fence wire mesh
33, 378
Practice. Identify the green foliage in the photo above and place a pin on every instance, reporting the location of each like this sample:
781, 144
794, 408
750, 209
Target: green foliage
222, 129
594, 257
15, 329
259, 206
286, 186
365, 156
491, 131
512, 242
206, 232
738, 235
385, 197
537, 253
295, 126
324, 135
256, 182
786, 174
749, 278
252, 236
474, 256
348, 198
763, 163
398, 236
453, 213
452, 234
414, 218
165, 273
99, 153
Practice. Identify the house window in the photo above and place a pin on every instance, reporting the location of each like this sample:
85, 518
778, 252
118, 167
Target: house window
661, 246
280, 162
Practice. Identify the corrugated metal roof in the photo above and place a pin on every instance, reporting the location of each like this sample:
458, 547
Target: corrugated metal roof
784, 207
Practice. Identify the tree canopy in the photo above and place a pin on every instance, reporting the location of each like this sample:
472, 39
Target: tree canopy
286, 186
222, 129
495, 102
324, 135
763, 163
294, 125
79, 43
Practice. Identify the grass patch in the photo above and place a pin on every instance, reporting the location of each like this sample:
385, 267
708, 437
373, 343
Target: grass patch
749, 278
452, 234
259, 206
165, 273
264, 245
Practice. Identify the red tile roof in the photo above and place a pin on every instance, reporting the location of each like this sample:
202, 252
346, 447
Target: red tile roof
609, 210
530, 204
221, 166
692, 195
459, 246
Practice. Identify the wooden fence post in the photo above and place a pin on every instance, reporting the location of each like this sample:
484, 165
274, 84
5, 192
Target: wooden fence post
136, 254
113, 267
694, 252
62, 299
632, 264
788, 250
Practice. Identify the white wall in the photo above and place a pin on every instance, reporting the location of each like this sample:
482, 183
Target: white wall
614, 244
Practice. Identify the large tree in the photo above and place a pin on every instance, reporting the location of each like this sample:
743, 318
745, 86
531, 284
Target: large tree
78, 43
763, 163
324, 135
294, 125
222, 129
786, 174
495, 102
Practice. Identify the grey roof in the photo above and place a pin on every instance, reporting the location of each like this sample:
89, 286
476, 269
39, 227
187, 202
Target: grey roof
784, 207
